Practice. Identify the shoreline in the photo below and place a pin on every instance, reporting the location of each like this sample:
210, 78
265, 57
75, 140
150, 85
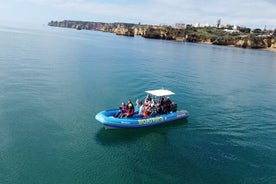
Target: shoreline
210, 43
270, 49
241, 38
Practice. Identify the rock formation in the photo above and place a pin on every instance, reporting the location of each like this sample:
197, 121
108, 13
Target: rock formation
273, 43
254, 42
211, 35
122, 30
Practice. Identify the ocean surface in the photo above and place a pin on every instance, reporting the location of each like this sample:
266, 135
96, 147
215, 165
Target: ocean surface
53, 81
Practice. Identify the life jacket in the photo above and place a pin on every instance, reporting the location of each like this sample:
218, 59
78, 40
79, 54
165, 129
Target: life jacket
146, 111
141, 109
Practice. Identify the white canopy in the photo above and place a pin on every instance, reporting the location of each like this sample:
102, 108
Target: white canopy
160, 92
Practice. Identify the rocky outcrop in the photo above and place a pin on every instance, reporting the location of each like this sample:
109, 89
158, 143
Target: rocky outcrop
140, 30
163, 32
122, 30
273, 43
242, 43
154, 33
211, 35
197, 38
254, 42
224, 41
118, 28
257, 43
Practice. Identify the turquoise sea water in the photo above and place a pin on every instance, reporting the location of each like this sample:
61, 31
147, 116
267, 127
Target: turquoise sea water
53, 81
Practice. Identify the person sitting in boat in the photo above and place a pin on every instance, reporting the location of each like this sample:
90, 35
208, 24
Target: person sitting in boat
130, 109
137, 106
158, 108
141, 108
148, 98
122, 111
153, 102
162, 99
146, 111
167, 105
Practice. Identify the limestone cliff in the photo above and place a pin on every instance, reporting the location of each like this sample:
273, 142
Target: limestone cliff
254, 42
140, 30
273, 43
122, 30
224, 41
163, 32
212, 35
242, 43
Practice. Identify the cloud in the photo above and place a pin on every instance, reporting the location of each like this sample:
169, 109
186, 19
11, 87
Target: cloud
246, 12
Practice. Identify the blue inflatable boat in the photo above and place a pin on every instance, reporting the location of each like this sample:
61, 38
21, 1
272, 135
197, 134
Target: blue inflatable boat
109, 118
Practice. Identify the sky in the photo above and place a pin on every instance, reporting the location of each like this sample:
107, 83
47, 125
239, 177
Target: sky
249, 13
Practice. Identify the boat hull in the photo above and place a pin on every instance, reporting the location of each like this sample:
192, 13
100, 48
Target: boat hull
110, 122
